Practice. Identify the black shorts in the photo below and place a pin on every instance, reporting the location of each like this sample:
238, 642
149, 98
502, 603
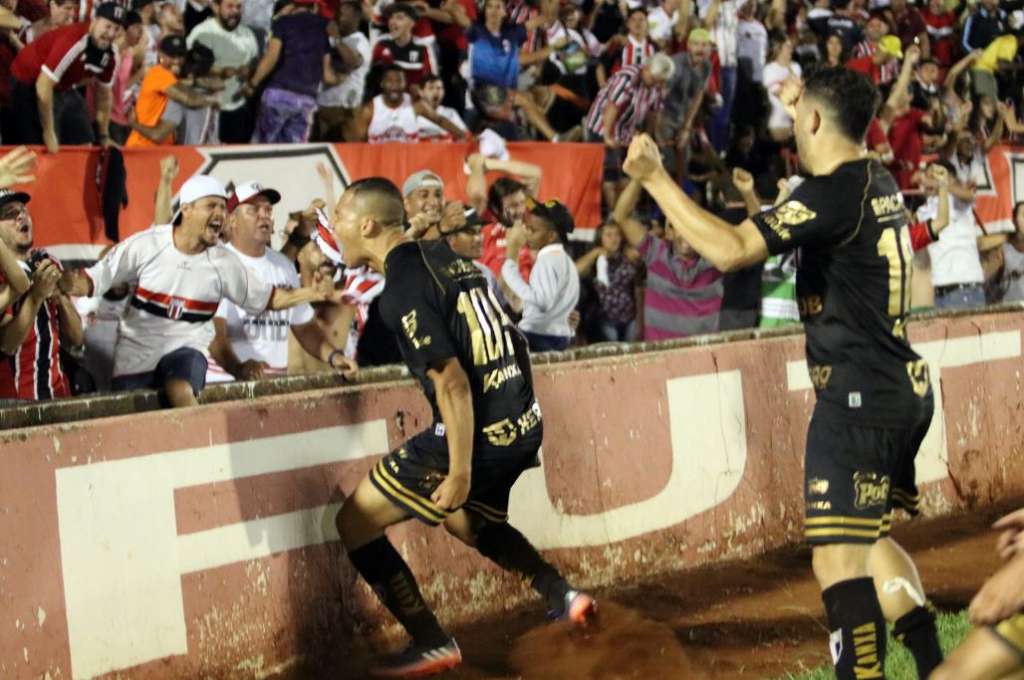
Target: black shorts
855, 476
1011, 631
409, 475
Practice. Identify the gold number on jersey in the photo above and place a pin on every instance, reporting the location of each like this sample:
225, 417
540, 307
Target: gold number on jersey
896, 248
486, 320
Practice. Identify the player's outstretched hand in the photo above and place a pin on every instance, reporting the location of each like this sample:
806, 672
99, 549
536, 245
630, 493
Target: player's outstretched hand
1001, 596
452, 492
1011, 541
16, 167
643, 158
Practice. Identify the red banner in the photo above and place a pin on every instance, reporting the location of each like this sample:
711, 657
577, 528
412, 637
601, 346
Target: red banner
1000, 187
66, 203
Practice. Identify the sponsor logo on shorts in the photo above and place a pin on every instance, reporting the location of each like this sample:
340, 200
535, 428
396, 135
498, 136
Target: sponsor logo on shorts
819, 505
870, 489
810, 305
817, 487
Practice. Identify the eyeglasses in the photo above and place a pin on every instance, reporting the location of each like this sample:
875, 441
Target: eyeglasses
12, 213
471, 230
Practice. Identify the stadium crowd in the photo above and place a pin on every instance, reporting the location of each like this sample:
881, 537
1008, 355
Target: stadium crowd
705, 79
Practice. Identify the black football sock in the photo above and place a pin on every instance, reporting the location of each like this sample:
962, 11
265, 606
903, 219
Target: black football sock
509, 549
389, 576
917, 631
855, 618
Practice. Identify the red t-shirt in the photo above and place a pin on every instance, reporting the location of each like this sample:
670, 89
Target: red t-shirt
67, 56
905, 139
876, 135
494, 254
941, 34
452, 35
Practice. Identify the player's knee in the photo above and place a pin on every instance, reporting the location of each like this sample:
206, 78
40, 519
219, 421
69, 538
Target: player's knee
835, 563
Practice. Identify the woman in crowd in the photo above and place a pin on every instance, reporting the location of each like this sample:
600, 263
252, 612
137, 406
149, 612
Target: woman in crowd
617, 272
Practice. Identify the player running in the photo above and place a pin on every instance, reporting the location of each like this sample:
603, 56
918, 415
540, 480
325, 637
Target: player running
473, 366
874, 398
995, 650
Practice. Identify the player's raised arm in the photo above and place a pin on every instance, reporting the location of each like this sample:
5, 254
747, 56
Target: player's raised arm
725, 246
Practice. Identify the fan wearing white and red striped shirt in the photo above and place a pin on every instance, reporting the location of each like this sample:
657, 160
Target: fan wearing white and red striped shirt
636, 47
183, 272
249, 346
34, 328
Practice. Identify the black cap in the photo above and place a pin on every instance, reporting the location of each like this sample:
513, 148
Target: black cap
8, 196
557, 215
173, 46
403, 7
112, 11
473, 218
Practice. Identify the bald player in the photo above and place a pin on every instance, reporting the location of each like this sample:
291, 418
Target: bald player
874, 395
474, 369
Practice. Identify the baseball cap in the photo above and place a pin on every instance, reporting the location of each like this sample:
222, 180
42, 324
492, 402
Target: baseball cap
173, 46
244, 193
112, 11
196, 187
699, 35
8, 196
423, 179
556, 213
890, 44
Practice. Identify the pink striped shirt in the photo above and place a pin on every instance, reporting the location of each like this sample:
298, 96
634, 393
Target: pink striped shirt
682, 297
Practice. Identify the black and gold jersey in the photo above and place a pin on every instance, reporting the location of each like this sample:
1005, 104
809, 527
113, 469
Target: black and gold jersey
853, 290
440, 306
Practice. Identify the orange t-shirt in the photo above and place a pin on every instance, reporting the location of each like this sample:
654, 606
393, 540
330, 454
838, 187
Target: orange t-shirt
151, 104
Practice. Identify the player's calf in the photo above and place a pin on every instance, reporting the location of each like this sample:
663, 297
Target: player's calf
858, 637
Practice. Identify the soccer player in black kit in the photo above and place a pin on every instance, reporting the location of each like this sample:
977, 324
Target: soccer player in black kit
874, 398
474, 368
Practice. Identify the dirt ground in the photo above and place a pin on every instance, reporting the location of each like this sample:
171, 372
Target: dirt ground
739, 621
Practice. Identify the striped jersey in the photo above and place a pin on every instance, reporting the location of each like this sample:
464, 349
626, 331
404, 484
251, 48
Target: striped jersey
175, 298
33, 372
634, 99
683, 296
633, 53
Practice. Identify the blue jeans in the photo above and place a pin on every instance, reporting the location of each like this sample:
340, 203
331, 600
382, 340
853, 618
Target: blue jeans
969, 296
546, 343
720, 124
184, 363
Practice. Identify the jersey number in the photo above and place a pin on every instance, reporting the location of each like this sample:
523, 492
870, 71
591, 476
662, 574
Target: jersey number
895, 247
486, 321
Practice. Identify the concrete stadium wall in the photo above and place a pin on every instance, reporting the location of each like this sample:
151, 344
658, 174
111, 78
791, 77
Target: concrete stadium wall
200, 543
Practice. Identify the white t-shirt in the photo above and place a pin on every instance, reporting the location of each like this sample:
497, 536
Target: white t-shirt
659, 24
349, 92
434, 133
954, 256
724, 32
262, 336
775, 74
231, 49
752, 44
175, 298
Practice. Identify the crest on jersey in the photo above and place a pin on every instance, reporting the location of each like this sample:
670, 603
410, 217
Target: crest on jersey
789, 214
175, 308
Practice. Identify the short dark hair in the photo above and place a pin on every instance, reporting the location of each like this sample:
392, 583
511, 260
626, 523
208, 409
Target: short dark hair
431, 78
502, 187
388, 68
381, 189
630, 13
850, 97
